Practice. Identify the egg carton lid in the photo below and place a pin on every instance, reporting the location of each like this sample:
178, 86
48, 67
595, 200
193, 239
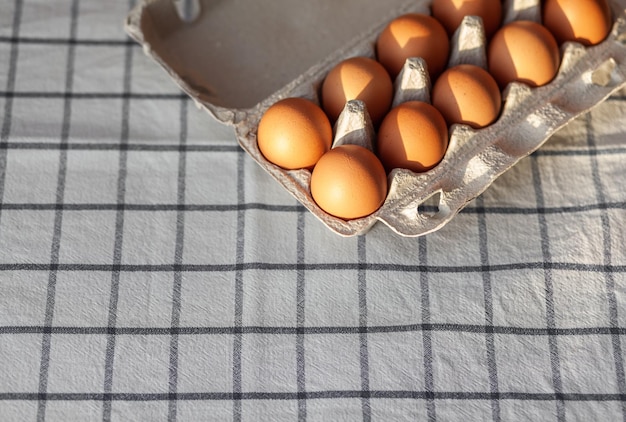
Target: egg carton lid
235, 58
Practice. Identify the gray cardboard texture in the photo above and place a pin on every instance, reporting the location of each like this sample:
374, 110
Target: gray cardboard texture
236, 53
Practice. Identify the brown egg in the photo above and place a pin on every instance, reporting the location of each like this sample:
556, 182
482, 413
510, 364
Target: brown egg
451, 12
349, 182
467, 94
585, 21
413, 35
523, 51
414, 136
357, 78
294, 133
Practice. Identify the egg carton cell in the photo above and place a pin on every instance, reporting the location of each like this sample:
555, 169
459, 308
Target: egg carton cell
236, 58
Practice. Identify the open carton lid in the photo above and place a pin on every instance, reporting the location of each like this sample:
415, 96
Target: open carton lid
231, 55
235, 58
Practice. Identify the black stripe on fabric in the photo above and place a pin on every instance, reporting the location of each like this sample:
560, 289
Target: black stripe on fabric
492, 370
554, 266
429, 383
285, 208
238, 305
546, 210
109, 357
608, 254
5, 132
151, 207
363, 327
15, 39
126, 95
178, 260
577, 152
96, 146
300, 315
555, 363
286, 330
317, 395
46, 342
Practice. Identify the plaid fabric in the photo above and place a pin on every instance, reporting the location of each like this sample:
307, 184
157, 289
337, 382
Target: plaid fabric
150, 270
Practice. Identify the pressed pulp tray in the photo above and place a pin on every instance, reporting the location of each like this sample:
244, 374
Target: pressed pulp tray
236, 58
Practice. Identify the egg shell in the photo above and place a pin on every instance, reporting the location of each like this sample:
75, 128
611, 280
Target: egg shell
467, 94
413, 35
357, 78
585, 21
414, 136
523, 51
451, 12
294, 133
349, 182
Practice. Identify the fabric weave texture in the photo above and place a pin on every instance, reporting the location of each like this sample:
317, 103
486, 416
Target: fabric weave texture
150, 270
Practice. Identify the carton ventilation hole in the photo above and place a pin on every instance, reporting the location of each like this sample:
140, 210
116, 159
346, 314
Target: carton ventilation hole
188, 10
430, 206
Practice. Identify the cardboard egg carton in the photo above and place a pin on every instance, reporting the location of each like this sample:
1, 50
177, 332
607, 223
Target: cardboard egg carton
235, 58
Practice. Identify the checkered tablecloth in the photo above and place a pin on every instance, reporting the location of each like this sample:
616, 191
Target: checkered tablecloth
150, 270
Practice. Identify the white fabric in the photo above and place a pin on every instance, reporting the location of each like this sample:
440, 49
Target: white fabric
150, 270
